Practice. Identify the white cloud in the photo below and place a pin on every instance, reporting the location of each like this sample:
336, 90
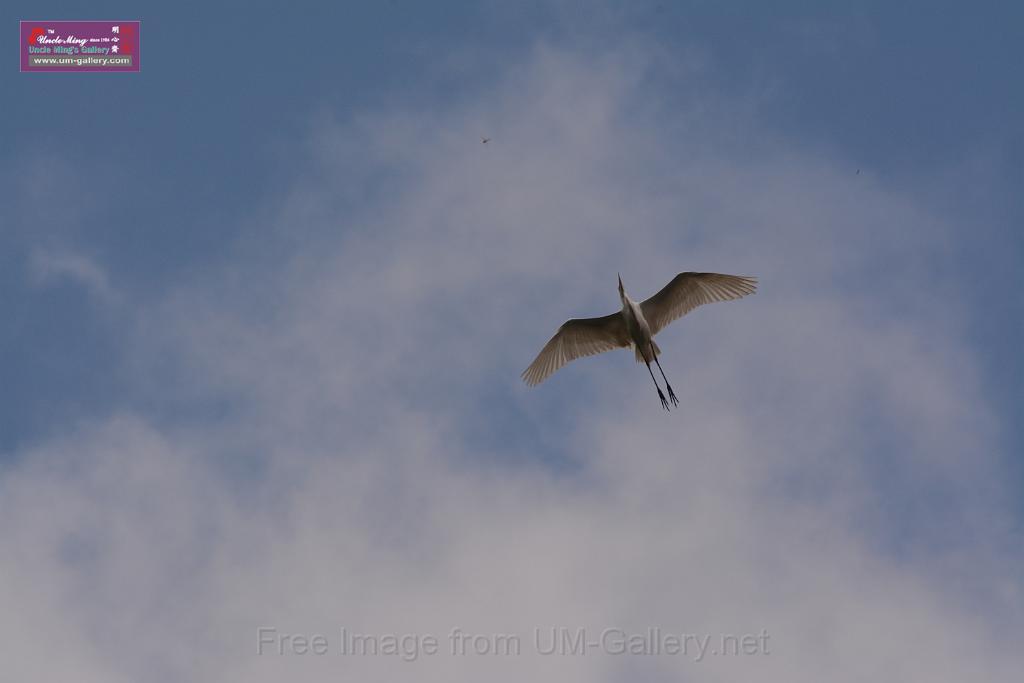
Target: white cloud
381, 467
47, 266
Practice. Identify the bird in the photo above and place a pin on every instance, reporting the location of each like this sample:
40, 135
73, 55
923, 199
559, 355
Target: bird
485, 140
636, 324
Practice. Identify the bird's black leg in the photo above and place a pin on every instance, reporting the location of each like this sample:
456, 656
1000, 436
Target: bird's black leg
664, 403
671, 394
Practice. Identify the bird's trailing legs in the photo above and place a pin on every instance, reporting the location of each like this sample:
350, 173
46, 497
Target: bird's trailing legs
671, 394
664, 403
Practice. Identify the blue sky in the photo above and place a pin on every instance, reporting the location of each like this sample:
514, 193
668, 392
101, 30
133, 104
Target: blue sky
242, 293
909, 94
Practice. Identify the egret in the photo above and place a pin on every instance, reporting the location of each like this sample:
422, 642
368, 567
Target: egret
636, 324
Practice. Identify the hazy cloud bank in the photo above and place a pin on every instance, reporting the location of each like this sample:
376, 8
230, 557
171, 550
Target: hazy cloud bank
832, 476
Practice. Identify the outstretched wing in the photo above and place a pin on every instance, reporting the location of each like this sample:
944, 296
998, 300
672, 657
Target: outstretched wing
687, 291
577, 338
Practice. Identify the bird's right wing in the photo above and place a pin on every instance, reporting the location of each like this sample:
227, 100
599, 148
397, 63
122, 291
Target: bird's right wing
687, 291
577, 338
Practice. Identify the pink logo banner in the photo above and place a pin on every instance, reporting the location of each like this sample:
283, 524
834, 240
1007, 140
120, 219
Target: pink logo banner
80, 45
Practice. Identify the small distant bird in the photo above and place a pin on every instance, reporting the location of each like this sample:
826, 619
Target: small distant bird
636, 324
485, 140
858, 172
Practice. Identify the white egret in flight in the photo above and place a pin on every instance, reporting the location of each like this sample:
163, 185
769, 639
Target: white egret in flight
636, 324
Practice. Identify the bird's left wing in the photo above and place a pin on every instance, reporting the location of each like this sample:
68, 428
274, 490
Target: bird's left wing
687, 291
578, 337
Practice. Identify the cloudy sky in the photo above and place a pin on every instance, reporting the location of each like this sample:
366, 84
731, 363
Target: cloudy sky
265, 306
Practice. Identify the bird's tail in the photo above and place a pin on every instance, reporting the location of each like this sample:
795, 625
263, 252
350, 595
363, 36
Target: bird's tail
640, 356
